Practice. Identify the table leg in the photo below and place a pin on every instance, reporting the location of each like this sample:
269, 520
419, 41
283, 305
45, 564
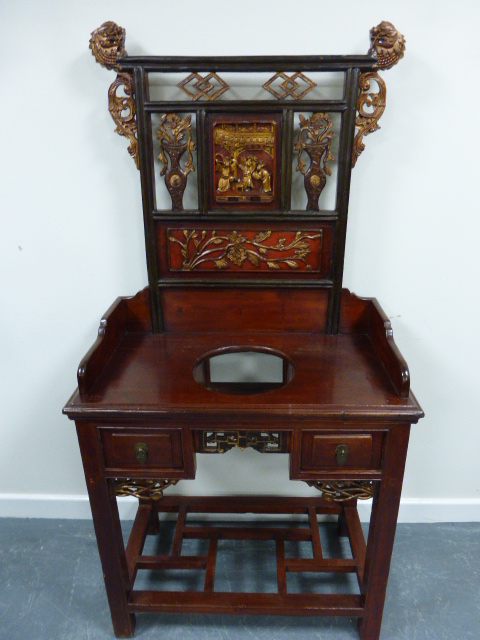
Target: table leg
383, 522
106, 522
153, 527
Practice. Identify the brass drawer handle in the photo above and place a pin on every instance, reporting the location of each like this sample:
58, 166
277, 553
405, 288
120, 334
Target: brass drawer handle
341, 453
141, 452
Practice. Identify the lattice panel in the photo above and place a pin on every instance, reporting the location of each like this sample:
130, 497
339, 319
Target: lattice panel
253, 602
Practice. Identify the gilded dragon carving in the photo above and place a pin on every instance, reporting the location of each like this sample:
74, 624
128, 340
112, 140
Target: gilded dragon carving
108, 46
388, 47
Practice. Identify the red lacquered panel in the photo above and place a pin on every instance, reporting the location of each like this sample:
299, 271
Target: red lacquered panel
228, 250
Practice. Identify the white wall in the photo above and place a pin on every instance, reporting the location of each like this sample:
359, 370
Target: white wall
72, 233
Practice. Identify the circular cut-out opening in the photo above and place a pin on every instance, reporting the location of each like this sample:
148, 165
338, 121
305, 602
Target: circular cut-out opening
243, 370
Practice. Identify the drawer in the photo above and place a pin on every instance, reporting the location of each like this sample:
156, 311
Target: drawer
340, 451
141, 449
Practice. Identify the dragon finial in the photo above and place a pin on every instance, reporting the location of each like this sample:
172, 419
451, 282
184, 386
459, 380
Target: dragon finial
387, 45
108, 44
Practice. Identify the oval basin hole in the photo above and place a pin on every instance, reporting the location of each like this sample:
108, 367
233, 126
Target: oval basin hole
243, 370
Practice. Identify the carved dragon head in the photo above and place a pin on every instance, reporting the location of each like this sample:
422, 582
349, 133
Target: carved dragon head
387, 44
108, 44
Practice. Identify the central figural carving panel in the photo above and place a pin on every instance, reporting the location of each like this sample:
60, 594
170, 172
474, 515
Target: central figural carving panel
244, 161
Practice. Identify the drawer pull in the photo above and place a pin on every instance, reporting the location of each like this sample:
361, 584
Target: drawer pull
341, 453
141, 452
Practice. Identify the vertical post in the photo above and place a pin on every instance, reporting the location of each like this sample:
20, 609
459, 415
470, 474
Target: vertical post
286, 169
202, 168
147, 177
383, 522
343, 194
106, 522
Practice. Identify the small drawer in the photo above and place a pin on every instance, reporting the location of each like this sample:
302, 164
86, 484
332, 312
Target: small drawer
339, 451
143, 449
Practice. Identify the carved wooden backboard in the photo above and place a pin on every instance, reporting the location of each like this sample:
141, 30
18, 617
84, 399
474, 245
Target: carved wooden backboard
245, 163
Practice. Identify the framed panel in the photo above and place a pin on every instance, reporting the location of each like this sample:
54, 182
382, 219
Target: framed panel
225, 250
244, 161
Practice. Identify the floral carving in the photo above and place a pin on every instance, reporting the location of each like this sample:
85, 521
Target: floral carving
171, 134
315, 137
223, 249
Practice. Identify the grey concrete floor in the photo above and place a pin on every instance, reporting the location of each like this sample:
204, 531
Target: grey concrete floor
51, 586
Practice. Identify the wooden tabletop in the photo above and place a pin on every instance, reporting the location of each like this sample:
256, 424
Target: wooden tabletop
335, 375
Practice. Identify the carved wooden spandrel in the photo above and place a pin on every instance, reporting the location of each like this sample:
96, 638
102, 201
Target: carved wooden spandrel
370, 108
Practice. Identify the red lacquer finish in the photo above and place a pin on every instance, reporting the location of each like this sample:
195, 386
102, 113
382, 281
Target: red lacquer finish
243, 271
348, 390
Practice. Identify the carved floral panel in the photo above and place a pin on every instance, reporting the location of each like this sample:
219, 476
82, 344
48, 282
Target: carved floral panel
247, 250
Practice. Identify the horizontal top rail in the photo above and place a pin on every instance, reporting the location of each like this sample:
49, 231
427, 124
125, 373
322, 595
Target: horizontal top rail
264, 106
248, 63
